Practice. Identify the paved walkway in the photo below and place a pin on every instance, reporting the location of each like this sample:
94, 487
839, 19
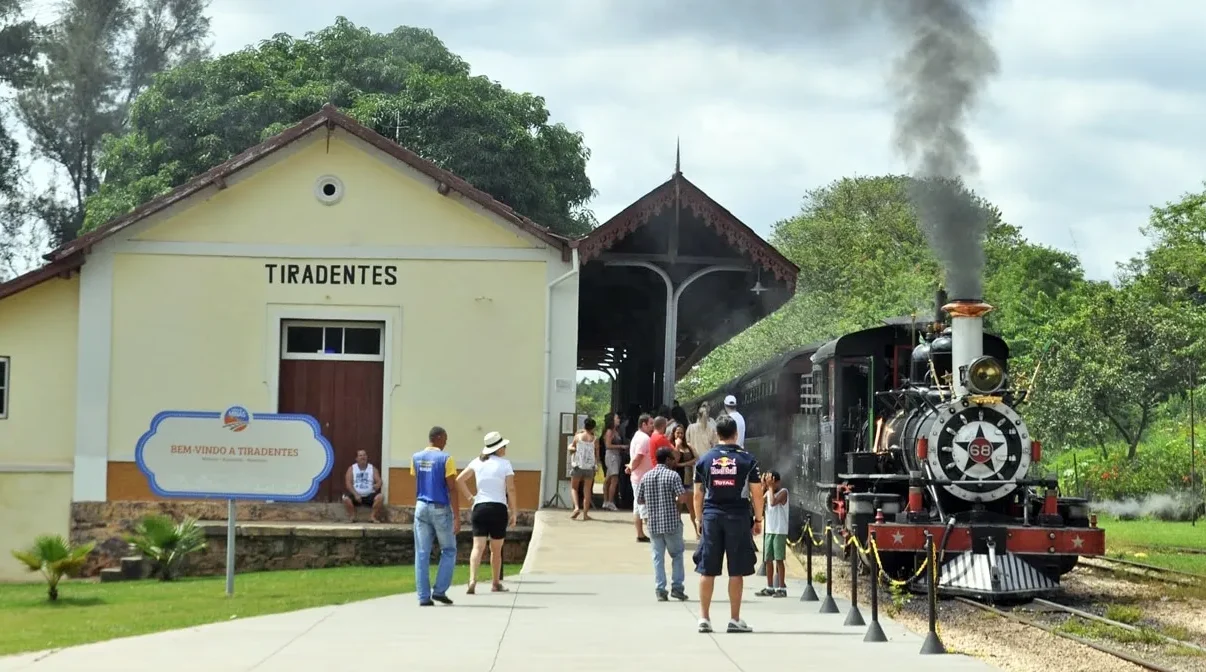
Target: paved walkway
584, 602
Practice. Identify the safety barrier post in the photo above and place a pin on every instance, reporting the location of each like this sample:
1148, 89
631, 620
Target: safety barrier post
932, 644
854, 616
875, 633
829, 606
810, 593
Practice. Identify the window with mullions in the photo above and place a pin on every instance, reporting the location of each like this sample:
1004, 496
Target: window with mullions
3, 388
363, 341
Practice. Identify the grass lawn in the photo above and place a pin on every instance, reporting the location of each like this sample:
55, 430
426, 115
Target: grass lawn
89, 612
1152, 542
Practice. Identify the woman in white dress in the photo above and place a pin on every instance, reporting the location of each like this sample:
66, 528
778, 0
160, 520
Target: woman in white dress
584, 461
494, 506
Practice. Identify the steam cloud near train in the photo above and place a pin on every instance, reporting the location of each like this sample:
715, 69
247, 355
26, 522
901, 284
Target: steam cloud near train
1163, 507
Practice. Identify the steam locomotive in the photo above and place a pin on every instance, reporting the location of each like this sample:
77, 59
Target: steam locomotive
913, 427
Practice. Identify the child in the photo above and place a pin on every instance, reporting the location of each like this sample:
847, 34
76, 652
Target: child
774, 537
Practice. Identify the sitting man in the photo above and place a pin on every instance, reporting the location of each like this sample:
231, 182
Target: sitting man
363, 484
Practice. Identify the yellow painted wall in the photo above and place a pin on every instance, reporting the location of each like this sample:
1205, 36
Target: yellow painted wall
382, 205
38, 332
31, 505
190, 332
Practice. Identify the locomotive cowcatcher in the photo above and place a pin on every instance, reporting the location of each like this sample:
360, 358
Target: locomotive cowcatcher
913, 427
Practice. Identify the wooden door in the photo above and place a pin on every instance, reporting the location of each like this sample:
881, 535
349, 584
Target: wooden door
345, 397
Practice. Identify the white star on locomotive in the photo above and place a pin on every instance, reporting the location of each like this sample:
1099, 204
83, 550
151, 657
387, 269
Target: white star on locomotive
979, 456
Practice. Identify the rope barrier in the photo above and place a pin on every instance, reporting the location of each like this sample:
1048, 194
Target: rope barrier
852, 540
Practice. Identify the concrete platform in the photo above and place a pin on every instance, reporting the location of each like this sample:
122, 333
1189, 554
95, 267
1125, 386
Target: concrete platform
585, 600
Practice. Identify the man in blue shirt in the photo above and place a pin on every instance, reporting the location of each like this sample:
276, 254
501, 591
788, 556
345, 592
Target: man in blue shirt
437, 517
728, 491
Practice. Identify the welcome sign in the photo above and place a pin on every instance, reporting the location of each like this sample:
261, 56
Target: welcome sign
234, 455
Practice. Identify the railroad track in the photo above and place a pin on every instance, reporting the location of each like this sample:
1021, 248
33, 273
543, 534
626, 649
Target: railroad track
1109, 650
1093, 562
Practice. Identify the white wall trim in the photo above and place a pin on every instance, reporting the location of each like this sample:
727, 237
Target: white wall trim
93, 364
10, 468
280, 251
391, 316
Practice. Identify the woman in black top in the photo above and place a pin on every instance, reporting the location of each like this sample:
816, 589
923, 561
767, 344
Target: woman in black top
685, 459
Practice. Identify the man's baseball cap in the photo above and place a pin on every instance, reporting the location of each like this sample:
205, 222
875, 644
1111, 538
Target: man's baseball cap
730, 400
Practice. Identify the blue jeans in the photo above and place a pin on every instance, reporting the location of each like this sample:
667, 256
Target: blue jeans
433, 522
671, 542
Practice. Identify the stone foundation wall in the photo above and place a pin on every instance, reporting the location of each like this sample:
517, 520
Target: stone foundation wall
108, 523
264, 547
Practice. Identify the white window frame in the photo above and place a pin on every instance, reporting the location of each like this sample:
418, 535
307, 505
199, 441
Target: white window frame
4, 387
338, 324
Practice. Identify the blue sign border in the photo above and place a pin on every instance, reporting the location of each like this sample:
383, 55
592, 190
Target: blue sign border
255, 417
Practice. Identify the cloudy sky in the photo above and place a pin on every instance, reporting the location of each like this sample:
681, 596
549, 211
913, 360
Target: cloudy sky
1091, 121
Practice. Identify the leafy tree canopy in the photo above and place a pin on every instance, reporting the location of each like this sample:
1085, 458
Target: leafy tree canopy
405, 84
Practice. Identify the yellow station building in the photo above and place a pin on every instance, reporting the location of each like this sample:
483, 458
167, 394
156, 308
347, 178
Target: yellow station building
327, 271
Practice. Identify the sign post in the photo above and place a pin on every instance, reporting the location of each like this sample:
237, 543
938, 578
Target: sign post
234, 455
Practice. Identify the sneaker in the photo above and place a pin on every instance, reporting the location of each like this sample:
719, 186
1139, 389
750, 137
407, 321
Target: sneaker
679, 594
765, 592
782, 592
705, 625
426, 603
739, 625
662, 596
442, 599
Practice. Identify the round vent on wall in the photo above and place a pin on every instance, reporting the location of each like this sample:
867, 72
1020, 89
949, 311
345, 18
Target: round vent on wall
328, 189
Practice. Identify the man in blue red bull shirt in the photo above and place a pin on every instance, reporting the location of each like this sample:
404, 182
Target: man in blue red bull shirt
728, 490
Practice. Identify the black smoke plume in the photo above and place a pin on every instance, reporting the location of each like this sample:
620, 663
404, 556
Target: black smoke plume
937, 82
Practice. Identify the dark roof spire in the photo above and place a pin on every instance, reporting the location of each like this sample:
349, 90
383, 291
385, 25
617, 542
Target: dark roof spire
678, 157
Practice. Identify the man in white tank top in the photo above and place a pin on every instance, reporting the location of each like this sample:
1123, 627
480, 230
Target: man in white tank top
362, 484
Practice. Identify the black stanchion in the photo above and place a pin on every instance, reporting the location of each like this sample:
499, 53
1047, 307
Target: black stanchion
854, 616
810, 593
932, 644
875, 633
829, 606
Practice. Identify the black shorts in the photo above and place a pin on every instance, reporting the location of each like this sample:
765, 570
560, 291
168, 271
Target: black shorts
365, 500
489, 519
727, 538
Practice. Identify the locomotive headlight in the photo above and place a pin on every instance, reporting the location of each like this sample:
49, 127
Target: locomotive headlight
985, 375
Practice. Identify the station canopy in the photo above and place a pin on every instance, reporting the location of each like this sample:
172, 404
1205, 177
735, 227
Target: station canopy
667, 281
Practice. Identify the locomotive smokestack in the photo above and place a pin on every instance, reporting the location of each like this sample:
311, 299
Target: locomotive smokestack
967, 336
939, 306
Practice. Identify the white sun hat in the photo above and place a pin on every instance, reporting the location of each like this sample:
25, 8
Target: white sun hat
494, 442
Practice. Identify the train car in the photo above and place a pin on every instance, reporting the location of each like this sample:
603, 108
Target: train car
912, 428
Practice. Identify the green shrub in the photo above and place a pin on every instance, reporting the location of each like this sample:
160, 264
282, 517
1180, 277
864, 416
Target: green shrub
56, 558
166, 544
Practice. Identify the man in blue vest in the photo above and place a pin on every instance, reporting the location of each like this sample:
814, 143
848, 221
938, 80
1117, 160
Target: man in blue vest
728, 492
437, 517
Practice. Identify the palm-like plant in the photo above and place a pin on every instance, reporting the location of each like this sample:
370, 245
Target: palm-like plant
167, 543
56, 558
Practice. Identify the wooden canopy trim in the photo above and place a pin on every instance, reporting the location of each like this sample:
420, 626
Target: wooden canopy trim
55, 269
713, 215
329, 118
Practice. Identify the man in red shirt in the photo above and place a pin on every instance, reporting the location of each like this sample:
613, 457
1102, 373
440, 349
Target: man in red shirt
658, 439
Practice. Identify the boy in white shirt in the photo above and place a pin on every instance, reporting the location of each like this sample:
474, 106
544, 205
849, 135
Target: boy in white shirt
774, 538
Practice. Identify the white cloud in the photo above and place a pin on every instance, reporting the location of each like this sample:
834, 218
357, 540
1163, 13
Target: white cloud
1093, 119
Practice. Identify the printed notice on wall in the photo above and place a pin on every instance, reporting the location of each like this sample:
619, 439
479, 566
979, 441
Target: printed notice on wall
234, 454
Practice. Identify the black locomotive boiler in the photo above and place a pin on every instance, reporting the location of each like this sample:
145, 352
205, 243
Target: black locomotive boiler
914, 427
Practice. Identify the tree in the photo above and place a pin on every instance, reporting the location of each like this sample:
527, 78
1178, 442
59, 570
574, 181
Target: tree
18, 48
405, 84
862, 258
1122, 353
98, 56
594, 398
